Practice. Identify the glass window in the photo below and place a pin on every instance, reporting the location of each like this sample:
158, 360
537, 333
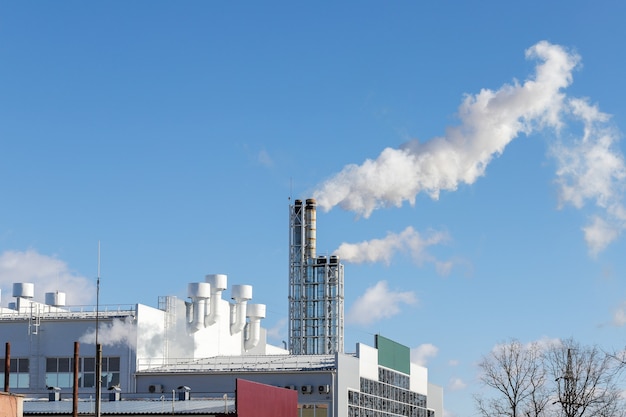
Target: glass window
60, 372
19, 373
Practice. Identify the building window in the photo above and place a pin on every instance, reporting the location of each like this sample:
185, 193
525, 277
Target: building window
60, 372
19, 369
387, 397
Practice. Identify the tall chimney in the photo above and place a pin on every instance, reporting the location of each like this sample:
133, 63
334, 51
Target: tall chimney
310, 228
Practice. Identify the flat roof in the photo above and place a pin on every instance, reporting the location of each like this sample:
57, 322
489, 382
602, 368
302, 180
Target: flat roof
244, 363
164, 405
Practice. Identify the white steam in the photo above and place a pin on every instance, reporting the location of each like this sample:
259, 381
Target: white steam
382, 250
591, 169
378, 303
49, 274
118, 332
489, 121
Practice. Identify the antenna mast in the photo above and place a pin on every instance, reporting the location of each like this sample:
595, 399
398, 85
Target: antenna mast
98, 347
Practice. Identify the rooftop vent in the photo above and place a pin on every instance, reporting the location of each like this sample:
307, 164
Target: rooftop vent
23, 290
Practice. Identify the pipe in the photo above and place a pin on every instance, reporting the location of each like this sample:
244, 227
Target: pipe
7, 365
199, 292
310, 228
218, 285
256, 312
75, 388
241, 294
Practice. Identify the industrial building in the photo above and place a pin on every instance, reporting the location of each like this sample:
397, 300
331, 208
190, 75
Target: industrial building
208, 342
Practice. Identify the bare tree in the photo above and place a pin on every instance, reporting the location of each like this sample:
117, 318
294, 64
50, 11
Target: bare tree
586, 381
516, 374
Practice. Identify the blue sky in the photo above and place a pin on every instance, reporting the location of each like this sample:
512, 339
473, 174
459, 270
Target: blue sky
175, 133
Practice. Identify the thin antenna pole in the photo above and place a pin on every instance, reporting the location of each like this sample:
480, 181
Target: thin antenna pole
98, 293
98, 347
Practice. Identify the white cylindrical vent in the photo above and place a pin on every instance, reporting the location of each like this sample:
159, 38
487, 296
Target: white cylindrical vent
23, 290
55, 299
256, 311
218, 281
241, 292
198, 290
218, 285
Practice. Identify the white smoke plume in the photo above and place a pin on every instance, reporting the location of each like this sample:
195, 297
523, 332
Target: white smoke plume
382, 250
118, 332
378, 303
489, 121
592, 169
47, 273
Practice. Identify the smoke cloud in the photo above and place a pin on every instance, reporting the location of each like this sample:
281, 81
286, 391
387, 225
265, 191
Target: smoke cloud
49, 274
118, 332
382, 250
378, 303
489, 121
592, 169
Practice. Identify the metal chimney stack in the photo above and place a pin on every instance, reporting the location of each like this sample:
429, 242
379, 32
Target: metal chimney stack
316, 313
310, 231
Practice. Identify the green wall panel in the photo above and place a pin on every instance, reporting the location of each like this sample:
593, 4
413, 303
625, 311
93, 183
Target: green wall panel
393, 355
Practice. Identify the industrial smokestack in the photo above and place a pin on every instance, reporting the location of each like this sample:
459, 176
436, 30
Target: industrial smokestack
310, 228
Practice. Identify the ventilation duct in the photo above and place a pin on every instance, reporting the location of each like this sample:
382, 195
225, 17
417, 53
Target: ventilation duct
241, 294
199, 292
218, 285
256, 312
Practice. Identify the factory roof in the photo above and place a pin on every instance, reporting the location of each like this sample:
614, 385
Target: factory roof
132, 407
244, 363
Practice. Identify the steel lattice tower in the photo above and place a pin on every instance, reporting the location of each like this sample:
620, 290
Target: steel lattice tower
315, 288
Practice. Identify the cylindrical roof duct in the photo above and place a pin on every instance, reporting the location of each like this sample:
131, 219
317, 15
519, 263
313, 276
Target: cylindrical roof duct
241, 292
256, 310
218, 281
55, 299
24, 289
198, 290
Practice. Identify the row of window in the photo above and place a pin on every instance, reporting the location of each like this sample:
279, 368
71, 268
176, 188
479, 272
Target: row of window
354, 411
394, 378
391, 392
60, 372
19, 373
364, 401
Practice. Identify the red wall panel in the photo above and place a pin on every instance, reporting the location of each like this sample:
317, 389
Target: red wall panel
259, 400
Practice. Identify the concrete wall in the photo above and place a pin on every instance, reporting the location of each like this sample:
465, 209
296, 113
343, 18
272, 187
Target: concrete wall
11, 405
216, 384
55, 338
435, 399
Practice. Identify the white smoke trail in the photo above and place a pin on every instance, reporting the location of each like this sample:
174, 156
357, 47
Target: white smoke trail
590, 170
118, 332
382, 250
593, 168
489, 121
